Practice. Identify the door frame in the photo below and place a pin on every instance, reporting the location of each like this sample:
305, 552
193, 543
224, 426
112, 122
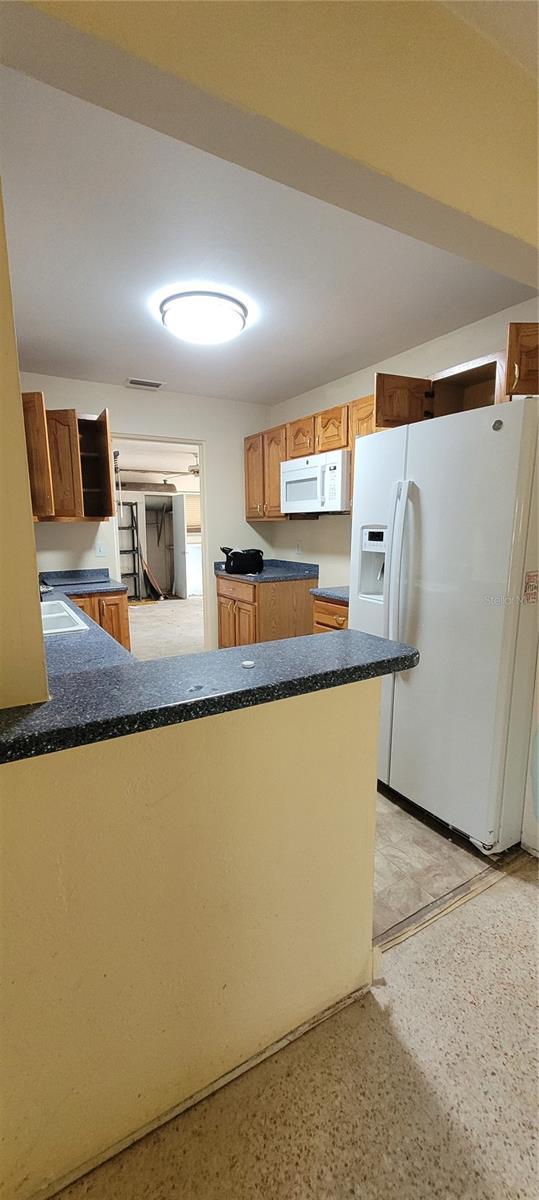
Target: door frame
207, 574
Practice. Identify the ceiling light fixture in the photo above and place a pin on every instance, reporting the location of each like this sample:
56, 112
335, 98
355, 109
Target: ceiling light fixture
204, 317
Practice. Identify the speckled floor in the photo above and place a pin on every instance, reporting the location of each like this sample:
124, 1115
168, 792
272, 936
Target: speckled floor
166, 628
423, 1090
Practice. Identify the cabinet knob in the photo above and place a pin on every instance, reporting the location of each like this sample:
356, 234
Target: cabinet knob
231, 606
265, 507
340, 620
516, 377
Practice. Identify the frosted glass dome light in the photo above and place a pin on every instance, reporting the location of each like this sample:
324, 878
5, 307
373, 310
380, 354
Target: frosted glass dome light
205, 318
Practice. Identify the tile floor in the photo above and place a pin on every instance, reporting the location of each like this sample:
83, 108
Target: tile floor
167, 627
415, 863
425, 1089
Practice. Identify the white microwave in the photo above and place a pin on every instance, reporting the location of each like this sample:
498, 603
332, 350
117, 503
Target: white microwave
317, 484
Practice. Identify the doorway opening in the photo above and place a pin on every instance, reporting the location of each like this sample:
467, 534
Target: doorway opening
160, 543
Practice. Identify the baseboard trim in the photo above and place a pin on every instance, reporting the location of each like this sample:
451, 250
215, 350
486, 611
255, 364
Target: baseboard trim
52, 1189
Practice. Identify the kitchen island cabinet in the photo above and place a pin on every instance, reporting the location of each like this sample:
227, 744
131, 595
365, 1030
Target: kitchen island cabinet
263, 608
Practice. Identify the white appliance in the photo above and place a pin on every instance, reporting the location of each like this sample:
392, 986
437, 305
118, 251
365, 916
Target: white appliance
444, 556
319, 483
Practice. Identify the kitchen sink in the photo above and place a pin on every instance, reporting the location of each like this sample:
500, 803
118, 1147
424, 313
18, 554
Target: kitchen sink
58, 617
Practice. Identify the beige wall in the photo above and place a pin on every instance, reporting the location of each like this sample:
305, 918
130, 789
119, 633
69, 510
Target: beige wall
82, 545
220, 425
23, 678
166, 915
405, 88
327, 541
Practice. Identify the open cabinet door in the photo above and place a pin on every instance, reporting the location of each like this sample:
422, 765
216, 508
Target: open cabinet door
522, 369
108, 499
400, 400
37, 449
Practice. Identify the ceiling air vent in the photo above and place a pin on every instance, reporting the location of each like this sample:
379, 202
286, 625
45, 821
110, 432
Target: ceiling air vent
148, 385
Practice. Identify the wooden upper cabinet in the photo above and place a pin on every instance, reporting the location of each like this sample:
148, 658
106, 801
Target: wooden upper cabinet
331, 429
274, 455
522, 364
254, 477
300, 438
360, 423
400, 400
96, 466
39, 460
63, 432
360, 418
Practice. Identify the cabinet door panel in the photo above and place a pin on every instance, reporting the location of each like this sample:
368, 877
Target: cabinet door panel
400, 400
114, 618
37, 449
89, 605
274, 455
245, 623
226, 622
522, 371
300, 437
360, 423
254, 477
331, 429
63, 433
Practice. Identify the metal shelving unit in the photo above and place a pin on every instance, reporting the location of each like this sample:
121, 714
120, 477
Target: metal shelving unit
133, 590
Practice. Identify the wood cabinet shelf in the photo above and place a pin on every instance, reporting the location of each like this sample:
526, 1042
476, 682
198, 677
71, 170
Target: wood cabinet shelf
69, 463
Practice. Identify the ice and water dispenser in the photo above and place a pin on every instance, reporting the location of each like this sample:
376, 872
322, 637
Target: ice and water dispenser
372, 561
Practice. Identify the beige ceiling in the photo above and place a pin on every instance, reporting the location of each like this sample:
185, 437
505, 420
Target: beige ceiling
510, 24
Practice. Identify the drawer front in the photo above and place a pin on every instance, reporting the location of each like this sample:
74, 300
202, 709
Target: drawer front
333, 616
237, 591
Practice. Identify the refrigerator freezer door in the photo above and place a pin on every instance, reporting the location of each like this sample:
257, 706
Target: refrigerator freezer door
459, 605
380, 461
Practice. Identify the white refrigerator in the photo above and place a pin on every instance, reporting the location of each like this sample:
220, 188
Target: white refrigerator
444, 557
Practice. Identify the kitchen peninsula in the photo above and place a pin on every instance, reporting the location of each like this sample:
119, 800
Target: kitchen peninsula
181, 830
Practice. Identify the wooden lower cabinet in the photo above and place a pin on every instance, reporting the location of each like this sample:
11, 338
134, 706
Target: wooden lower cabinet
328, 616
262, 612
245, 623
226, 621
110, 611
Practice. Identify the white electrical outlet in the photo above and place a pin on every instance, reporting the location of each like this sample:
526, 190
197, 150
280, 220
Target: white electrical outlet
100, 550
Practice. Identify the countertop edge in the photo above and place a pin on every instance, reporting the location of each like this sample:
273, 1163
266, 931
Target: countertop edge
40, 743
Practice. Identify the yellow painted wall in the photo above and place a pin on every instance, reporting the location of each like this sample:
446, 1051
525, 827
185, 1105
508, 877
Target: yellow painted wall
404, 87
173, 902
23, 678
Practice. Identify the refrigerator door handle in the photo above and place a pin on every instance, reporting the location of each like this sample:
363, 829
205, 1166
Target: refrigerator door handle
389, 558
396, 559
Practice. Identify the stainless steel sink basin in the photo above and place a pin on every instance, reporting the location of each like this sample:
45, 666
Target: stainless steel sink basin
57, 617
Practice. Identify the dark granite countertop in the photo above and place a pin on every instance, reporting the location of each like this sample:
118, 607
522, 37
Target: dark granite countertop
276, 570
80, 583
131, 696
69, 653
340, 595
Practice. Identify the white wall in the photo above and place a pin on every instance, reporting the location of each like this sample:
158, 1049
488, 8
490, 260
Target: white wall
327, 541
219, 425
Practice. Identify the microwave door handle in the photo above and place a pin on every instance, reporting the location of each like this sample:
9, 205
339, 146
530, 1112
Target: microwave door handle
389, 557
322, 486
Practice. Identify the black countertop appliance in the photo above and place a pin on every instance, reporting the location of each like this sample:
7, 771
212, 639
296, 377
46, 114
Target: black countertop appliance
243, 562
